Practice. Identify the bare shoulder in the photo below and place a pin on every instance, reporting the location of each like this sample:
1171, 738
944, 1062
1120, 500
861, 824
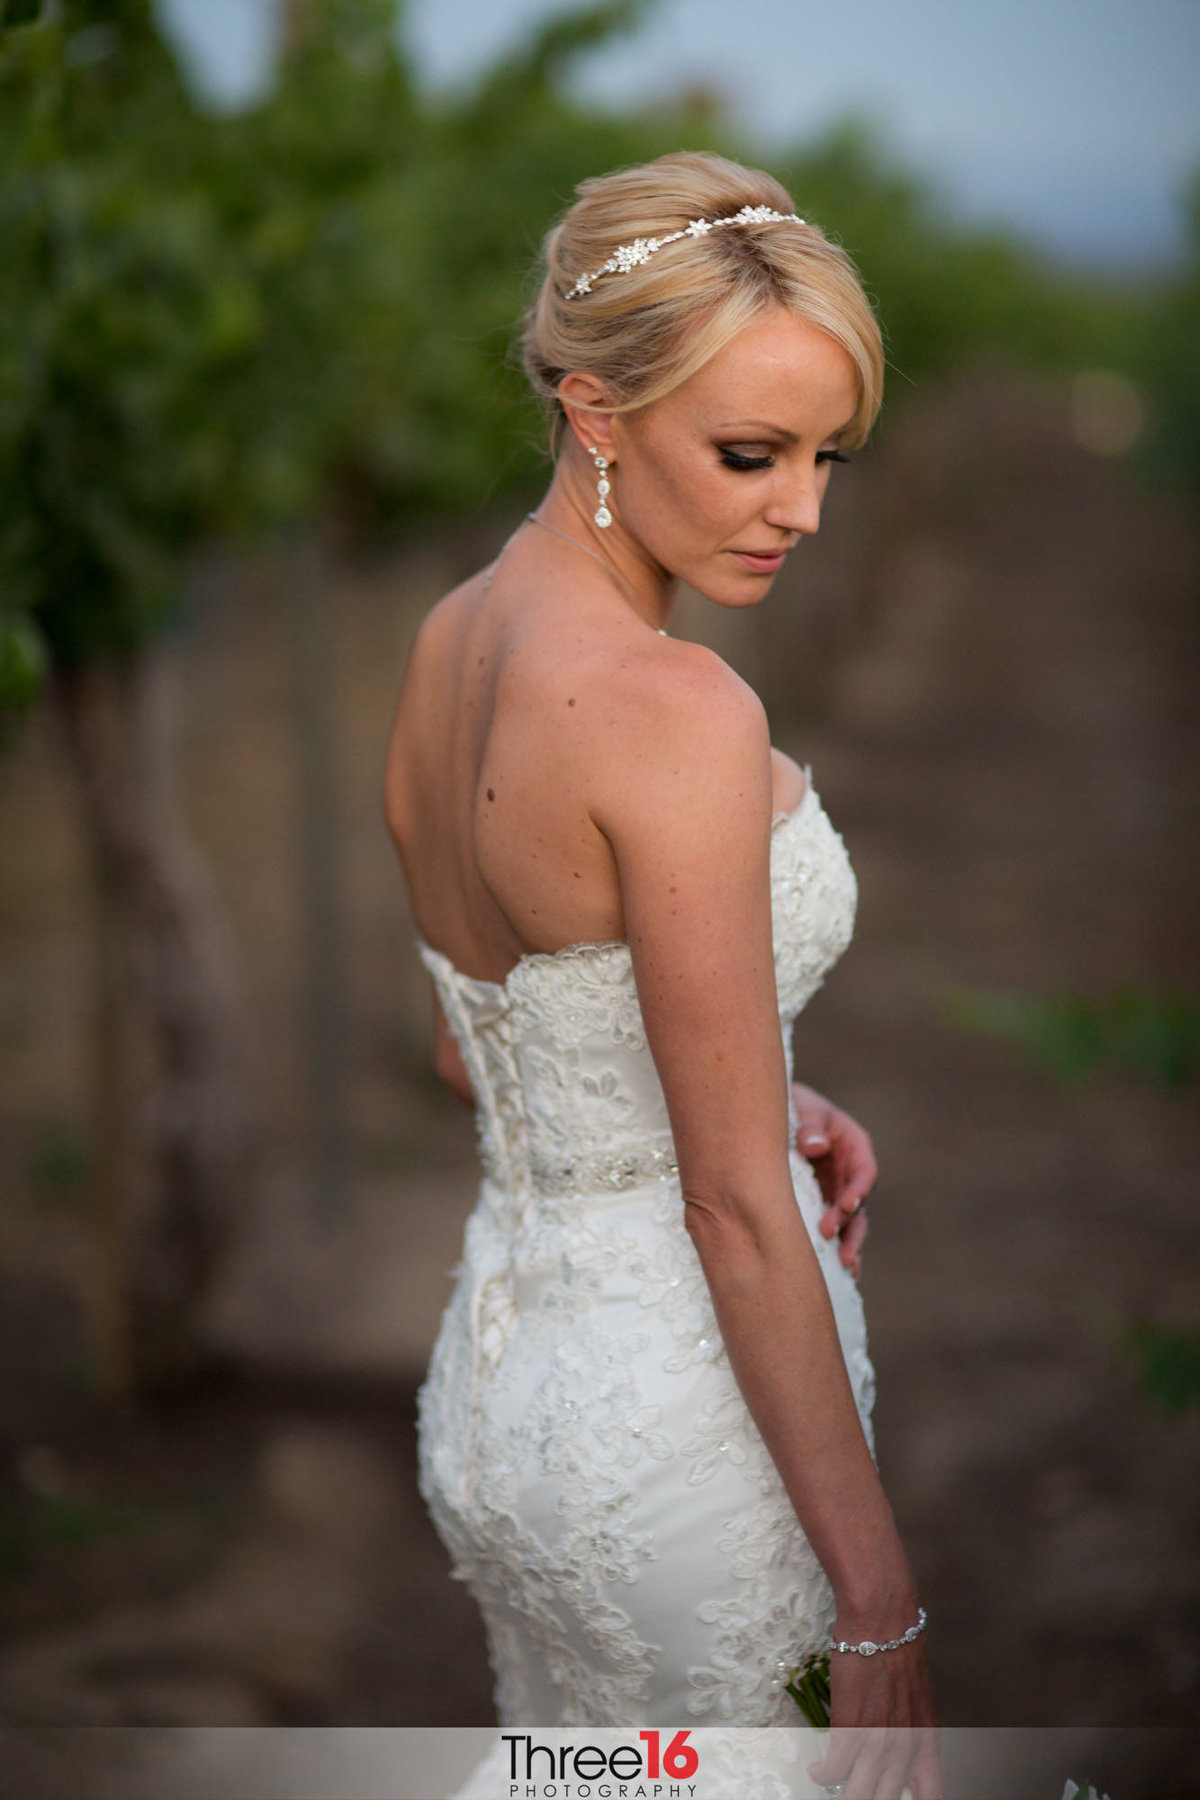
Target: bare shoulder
679, 677
427, 674
675, 728
440, 622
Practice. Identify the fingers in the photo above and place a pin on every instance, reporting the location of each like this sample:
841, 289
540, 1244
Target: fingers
835, 1767
857, 1767
845, 1167
861, 1170
822, 1131
881, 1763
812, 1126
884, 1740
852, 1229
926, 1778
852, 1243
843, 1213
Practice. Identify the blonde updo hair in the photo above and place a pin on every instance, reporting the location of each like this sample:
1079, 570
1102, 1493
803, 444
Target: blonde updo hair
644, 333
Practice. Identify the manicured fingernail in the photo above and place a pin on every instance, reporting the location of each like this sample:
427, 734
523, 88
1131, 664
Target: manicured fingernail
816, 1137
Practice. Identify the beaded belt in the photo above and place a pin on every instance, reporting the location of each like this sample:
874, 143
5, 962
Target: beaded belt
600, 1169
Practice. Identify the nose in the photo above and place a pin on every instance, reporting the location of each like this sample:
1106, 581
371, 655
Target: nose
796, 504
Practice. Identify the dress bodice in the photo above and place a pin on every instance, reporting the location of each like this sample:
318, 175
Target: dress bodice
567, 1094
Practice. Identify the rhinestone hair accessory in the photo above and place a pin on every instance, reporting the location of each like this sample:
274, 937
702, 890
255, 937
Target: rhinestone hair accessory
630, 256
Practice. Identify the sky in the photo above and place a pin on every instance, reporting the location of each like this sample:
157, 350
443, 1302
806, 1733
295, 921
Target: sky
1074, 121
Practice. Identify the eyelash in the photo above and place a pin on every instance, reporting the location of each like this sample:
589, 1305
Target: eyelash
733, 460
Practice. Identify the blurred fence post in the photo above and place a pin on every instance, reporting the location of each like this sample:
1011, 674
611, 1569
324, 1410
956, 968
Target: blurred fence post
322, 913
174, 1097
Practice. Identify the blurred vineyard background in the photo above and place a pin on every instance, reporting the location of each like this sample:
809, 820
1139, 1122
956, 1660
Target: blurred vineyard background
259, 408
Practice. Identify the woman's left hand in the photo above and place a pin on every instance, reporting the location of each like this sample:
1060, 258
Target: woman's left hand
844, 1164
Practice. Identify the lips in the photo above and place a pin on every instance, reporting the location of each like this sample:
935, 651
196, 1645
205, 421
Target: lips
761, 563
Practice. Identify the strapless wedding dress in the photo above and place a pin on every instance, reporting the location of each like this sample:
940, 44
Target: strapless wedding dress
585, 1452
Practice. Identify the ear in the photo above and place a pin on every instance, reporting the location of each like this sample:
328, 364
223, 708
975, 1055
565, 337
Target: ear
579, 393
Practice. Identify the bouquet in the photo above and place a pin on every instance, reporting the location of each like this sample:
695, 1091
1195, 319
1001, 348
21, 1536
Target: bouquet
809, 1687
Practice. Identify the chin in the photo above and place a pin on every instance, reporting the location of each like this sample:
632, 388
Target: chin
732, 591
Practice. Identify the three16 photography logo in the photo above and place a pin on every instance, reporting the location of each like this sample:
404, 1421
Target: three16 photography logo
645, 1770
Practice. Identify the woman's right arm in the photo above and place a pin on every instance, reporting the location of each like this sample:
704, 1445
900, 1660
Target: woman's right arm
690, 829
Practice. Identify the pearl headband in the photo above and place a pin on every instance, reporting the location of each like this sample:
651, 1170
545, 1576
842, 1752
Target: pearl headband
629, 256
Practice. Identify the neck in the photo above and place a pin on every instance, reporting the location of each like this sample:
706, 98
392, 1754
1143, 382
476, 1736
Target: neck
569, 504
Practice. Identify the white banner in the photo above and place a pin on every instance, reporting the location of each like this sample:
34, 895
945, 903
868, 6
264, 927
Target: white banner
584, 1763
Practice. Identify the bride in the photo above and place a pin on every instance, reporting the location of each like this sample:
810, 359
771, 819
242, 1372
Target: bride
646, 1435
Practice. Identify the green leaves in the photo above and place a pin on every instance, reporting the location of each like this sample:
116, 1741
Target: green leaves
126, 313
1168, 1363
22, 670
1155, 1036
220, 323
809, 1688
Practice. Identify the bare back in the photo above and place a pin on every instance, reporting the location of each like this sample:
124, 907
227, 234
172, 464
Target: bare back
526, 713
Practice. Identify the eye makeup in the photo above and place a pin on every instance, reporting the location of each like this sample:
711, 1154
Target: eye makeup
736, 459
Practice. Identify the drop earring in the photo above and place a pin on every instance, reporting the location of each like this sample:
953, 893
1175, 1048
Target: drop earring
601, 515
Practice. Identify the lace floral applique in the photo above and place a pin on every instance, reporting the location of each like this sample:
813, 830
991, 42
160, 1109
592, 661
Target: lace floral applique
717, 1436
761, 1633
579, 994
580, 1380
814, 897
541, 1594
581, 1119
672, 1284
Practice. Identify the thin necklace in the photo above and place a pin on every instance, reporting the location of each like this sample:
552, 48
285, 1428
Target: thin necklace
499, 557
604, 564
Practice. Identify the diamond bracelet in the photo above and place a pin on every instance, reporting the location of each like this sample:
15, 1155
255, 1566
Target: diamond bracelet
869, 1648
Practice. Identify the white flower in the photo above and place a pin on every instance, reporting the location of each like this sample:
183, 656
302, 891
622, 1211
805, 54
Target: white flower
629, 256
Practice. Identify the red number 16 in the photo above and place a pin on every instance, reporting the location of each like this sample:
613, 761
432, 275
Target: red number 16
680, 1758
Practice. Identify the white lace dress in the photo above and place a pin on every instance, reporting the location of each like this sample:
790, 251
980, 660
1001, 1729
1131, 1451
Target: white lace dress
584, 1449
